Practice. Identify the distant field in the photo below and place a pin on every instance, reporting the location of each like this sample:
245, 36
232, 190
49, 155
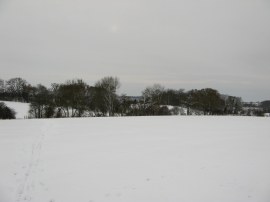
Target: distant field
20, 108
135, 159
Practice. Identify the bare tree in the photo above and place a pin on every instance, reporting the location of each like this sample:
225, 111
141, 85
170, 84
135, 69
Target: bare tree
41, 103
110, 86
15, 87
2, 86
153, 94
233, 105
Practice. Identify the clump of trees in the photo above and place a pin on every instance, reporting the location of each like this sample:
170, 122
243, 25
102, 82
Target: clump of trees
256, 108
6, 112
75, 98
265, 105
41, 105
209, 101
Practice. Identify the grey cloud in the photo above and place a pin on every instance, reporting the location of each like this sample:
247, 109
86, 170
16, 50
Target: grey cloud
223, 44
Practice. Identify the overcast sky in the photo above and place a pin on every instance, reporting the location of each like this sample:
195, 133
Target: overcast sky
222, 44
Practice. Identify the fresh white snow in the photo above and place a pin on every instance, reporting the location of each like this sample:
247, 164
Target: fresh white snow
20, 108
131, 159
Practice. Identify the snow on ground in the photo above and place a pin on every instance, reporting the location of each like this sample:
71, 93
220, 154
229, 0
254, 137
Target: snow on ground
20, 108
146, 159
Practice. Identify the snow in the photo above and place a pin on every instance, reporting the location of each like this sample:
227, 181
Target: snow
147, 159
20, 108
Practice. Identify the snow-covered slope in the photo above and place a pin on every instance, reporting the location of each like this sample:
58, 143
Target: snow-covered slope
146, 159
20, 108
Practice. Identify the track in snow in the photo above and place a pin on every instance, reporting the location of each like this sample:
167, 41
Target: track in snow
28, 184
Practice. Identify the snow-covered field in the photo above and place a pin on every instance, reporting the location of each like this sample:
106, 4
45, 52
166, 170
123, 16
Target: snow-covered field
20, 108
135, 159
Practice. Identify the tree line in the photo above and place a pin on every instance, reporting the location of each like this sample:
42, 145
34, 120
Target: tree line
75, 98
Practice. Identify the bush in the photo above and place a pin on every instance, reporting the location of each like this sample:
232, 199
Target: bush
175, 111
6, 112
163, 111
